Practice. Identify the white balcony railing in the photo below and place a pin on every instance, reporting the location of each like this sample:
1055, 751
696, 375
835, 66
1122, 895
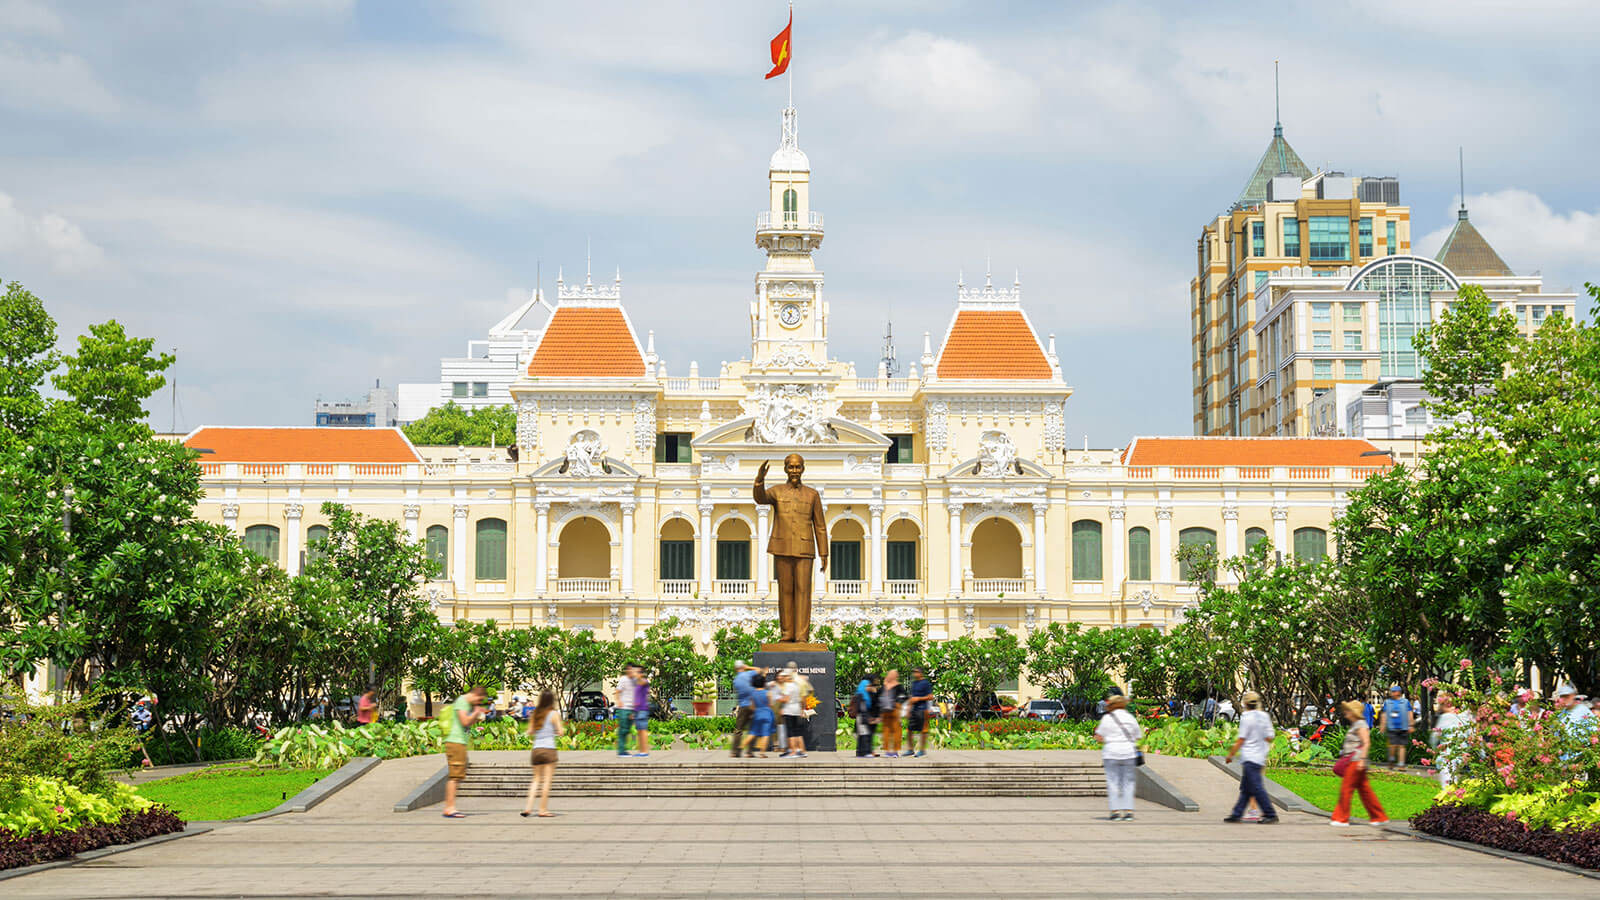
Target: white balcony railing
903, 588
845, 588
811, 221
997, 585
734, 587
583, 585
677, 587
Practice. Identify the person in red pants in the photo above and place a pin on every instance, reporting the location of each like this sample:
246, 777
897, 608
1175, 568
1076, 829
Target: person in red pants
1353, 757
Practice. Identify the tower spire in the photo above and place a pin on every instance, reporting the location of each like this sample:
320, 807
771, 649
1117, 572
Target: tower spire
1461, 168
1277, 114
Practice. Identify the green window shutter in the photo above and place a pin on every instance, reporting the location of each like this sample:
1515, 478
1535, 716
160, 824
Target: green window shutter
1310, 544
733, 560
902, 560
677, 560
1194, 536
316, 543
262, 540
437, 547
1139, 554
1252, 537
1086, 550
661, 447
491, 550
844, 561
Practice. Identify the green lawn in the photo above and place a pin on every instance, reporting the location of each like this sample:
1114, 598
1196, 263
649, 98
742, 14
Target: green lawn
1402, 796
229, 791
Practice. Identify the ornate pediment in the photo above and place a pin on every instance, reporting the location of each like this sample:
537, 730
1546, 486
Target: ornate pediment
848, 438
791, 414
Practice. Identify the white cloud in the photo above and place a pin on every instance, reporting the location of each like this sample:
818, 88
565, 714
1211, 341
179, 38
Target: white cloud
19, 17
49, 236
1528, 234
931, 83
41, 80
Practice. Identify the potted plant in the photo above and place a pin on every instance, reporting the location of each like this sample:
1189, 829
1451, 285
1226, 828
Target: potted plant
705, 696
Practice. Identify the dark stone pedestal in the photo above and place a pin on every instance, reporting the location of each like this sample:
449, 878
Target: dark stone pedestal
818, 666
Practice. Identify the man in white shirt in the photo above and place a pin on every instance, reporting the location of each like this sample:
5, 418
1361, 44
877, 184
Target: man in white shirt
1255, 738
1450, 720
624, 697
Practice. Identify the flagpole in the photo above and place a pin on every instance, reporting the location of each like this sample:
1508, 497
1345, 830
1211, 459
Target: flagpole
790, 70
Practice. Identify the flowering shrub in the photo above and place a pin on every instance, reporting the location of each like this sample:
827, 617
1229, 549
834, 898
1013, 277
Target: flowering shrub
1501, 751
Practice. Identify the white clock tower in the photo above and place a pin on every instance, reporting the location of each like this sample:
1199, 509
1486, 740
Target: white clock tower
789, 318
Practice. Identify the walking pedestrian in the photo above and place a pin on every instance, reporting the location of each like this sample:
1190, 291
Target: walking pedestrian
544, 726
863, 707
1255, 737
743, 708
1118, 734
921, 696
1352, 768
794, 720
890, 698
367, 708
641, 710
466, 712
1446, 756
1397, 722
624, 702
759, 731
1573, 710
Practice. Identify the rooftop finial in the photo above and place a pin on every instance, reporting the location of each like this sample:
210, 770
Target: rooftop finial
1461, 166
1277, 114
987, 269
588, 260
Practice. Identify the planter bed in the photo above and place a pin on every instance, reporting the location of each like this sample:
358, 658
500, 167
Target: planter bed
1463, 823
42, 848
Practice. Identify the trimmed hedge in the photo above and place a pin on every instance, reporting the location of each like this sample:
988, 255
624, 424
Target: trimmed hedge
42, 848
1463, 823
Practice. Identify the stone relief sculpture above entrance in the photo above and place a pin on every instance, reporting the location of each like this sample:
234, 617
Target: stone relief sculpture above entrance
997, 455
586, 455
791, 414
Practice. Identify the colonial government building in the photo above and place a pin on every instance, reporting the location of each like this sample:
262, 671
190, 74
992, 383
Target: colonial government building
951, 495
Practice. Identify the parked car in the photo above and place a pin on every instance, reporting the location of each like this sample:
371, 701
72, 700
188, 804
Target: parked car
1043, 710
589, 706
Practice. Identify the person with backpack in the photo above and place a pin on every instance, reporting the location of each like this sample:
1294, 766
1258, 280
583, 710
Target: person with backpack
1397, 722
466, 712
544, 726
863, 704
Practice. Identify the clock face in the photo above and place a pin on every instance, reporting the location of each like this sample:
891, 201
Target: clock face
789, 315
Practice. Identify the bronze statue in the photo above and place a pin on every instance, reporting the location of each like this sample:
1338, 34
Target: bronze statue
799, 535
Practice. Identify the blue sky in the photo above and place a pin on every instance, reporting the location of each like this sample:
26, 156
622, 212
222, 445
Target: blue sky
299, 196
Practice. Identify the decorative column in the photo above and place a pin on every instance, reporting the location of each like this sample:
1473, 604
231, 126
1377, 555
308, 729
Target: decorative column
879, 557
955, 550
1280, 529
627, 547
705, 550
230, 517
1230, 540
413, 512
1119, 546
541, 547
1164, 540
291, 537
458, 549
763, 529
1040, 559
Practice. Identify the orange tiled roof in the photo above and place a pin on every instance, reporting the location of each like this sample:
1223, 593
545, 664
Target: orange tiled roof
1254, 451
587, 342
302, 444
992, 343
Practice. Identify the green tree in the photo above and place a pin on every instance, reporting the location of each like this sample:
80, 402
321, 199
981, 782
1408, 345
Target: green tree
112, 375
27, 339
968, 669
669, 660
550, 658
1068, 660
452, 658
731, 645
451, 425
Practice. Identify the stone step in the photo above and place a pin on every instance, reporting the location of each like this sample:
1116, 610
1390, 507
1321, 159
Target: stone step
832, 792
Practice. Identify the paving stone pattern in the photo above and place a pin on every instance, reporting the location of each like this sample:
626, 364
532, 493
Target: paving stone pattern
790, 846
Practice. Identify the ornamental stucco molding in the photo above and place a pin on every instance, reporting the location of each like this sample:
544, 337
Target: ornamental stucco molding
938, 427
230, 510
413, 511
1118, 512
1230, 513
997, 455
644, 423
527, 423
293, 510
461, 510
867, 615
1164, 513
1280, 513
1055, 428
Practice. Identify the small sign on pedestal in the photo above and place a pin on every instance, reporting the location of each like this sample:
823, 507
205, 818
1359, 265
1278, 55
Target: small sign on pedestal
816, 663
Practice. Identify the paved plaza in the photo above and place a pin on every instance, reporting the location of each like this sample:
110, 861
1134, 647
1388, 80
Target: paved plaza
355, 846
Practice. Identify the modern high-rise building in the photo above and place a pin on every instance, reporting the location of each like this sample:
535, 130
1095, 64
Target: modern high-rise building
1287, 216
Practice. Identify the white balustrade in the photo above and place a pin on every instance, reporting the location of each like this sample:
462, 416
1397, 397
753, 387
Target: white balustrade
904, 588
846, 588
997, 585
583, 585
677, 587
734, 587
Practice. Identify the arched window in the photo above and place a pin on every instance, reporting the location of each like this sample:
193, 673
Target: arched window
1195, 537
584, 549
436, 547
262, 540
733, 551
1086, 550
900, 550
1139, 554
490, 550
677, 550
844, 551
996, 549
1310, 544
316, 543
791, 205
1252, 537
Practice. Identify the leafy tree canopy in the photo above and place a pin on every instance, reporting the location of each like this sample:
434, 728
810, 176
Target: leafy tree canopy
451, 425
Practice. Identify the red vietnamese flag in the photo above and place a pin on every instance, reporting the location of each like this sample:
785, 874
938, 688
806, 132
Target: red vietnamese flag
780, 48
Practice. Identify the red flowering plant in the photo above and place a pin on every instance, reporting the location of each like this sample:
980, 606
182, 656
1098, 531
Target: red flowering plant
1511, 745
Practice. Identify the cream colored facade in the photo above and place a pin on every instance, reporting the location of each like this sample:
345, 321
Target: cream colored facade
955, 485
